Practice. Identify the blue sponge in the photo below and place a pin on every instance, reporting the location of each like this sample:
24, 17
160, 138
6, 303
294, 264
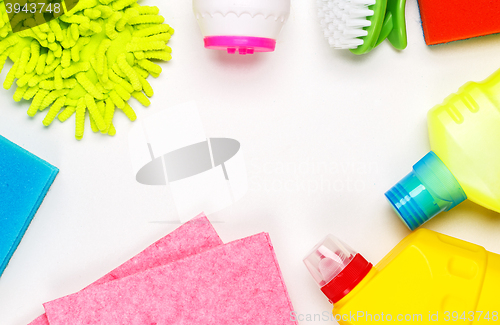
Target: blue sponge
24, 182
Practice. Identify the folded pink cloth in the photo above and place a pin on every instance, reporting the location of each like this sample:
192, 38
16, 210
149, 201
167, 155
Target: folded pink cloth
236, 283
191, 238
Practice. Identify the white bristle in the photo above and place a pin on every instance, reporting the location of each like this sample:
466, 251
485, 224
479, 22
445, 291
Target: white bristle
360, 23
343, 21
363, 2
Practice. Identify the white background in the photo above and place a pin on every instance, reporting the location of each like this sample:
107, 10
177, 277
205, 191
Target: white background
294, 111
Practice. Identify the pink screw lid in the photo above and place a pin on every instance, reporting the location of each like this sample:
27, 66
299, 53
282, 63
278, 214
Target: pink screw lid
241, 44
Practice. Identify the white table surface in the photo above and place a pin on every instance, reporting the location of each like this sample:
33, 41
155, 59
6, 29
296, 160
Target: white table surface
294, 111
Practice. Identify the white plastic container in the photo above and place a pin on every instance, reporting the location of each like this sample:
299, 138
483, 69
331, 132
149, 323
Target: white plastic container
243, 26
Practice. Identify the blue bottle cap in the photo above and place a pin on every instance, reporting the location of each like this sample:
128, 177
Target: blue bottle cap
429, 189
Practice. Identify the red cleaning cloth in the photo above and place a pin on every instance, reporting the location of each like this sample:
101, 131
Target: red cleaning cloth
445, 21
191, 238
234, 284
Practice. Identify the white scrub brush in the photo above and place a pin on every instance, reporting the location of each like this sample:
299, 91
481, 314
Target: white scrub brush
361, 25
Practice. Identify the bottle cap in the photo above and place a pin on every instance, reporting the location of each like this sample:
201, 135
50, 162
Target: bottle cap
336, 267
241, 26
240, 44
429, 189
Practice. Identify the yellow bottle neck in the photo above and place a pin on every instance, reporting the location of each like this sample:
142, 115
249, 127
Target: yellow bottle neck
492, 87
355, 291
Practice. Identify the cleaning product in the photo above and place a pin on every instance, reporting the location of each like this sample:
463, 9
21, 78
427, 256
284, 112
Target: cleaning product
445, 21
427, 278
464, 163
93, 58
243, 26
25, 179
361, 25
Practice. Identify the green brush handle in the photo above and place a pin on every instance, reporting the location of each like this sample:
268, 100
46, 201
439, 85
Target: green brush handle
388, 22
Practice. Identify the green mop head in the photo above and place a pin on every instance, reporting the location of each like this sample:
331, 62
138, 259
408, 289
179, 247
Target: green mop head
91, 58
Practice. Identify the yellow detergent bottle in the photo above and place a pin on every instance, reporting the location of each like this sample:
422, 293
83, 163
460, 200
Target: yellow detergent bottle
428, 278
465, 158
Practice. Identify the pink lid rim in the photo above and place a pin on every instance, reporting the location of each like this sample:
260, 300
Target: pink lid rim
241, 44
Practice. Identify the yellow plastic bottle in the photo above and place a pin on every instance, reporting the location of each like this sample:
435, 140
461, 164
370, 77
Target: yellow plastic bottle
465, 158
428, 278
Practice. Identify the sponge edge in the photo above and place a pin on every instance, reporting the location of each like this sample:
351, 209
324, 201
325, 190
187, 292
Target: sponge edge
24, 182
448, 21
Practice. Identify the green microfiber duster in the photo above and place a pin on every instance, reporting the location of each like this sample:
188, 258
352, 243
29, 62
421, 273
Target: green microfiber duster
93, 58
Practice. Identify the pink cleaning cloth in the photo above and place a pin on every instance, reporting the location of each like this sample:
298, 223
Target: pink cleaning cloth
236, 283
191, 238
